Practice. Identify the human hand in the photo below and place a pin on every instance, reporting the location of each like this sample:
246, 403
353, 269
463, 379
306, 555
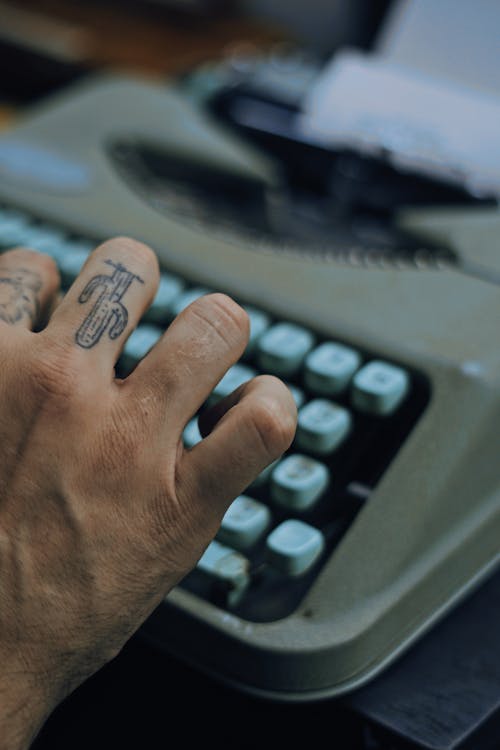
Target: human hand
102, 510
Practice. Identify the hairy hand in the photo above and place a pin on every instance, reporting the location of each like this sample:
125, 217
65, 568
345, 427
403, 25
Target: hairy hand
102, 510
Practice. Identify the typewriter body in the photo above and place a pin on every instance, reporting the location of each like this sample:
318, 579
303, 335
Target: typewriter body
422, 525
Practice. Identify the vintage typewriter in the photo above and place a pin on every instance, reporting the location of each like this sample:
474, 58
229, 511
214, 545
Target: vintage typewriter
386, 510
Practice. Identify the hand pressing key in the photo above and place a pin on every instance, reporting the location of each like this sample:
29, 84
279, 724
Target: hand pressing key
102, 510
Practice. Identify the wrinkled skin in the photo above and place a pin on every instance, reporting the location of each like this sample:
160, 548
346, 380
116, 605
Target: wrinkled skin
102, 510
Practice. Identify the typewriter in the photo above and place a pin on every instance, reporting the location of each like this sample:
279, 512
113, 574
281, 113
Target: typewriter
385, 512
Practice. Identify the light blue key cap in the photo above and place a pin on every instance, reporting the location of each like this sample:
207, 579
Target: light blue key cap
298, 395
322, 426
259, 322
161, 308
191, 435
282, 348
185, 299
221, 563
234, 377
14, 230
244, 522
379, 388
19, 231
265, 475
293, 547
43, 238
8, 214
330, 367
55, 244
57, 250
66, 248
72, 259
298, 482
138, 345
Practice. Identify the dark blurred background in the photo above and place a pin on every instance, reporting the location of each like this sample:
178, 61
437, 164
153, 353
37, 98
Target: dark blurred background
46, 43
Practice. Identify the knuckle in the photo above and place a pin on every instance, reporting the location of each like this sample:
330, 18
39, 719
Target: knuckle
224, 316
273, 424
54, 372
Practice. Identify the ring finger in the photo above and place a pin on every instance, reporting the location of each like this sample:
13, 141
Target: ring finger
29, 283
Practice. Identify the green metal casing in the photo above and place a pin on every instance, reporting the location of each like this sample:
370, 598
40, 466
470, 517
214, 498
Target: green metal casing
431, 530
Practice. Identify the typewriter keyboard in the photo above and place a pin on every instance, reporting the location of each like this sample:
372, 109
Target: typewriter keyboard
355, 410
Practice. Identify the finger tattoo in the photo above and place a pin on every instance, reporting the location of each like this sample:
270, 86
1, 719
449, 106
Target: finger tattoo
108, 312
19, 289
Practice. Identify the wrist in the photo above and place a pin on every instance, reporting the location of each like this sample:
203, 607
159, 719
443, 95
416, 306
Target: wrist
23, 710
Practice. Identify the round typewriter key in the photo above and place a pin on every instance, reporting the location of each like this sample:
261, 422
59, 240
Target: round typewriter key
259, 322
322, 426
191, 435
234, 377
138, 345
379, 388
169, 289
186, 298
298, 482
293, 547
330, 367
244, 522
282, 348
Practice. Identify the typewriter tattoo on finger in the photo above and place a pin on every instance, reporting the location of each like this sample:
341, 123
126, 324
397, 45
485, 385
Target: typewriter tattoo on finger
19, 288
108, 313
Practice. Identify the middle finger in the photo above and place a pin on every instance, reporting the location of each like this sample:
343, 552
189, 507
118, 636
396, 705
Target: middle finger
106, 301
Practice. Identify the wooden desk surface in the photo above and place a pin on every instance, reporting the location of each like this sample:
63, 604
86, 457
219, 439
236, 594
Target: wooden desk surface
7, 115
116, 36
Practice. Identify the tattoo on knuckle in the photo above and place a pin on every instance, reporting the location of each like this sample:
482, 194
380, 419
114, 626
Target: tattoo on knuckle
19, 295
108, 312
